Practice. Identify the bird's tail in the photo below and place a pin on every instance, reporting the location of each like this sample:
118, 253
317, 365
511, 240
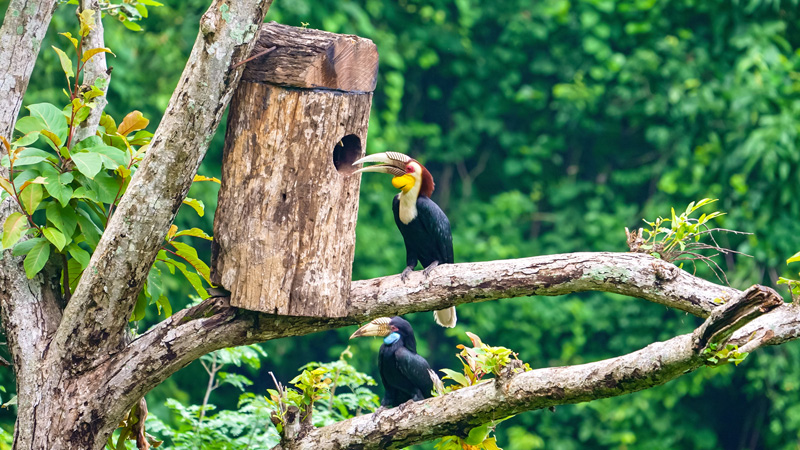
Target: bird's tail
446, 317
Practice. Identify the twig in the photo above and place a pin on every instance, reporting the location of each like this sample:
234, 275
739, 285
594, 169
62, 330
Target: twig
257, 55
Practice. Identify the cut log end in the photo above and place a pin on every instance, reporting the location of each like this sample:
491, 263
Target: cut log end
313, 59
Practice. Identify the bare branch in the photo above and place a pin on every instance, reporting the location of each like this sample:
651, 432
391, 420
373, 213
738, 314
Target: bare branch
456, 413
94, 69
102, 302
214, 324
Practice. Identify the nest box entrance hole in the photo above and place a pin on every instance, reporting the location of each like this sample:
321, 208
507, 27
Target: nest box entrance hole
345, 152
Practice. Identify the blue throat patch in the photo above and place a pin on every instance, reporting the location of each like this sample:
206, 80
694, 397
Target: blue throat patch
391, 339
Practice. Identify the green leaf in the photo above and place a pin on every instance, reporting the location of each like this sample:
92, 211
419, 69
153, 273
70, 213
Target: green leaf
204, 178
188, 253
91, 232
456, 376
64, 219
24, 247
30, 124
150, 3
31, 196
82, 256
55, 237
86, 193
87, 163
195, 232
57, 188
75, 272
193, 278
164, 303
37, 258
15, 225
28, 139
66, 63
197, 205
133, 26
112, 156
140, 309
54, 120
106, 187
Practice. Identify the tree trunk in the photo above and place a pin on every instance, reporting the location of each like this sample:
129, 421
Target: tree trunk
284, 230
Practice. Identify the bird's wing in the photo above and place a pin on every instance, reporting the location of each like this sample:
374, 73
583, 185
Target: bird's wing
436, 223
415, 368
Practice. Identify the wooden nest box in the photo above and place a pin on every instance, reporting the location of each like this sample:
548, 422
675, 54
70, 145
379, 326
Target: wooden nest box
284, 230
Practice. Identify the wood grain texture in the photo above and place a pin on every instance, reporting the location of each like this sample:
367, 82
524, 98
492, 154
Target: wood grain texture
284, 229
313, 59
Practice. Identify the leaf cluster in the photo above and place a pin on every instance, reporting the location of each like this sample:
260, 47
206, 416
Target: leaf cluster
716, 356
678, 237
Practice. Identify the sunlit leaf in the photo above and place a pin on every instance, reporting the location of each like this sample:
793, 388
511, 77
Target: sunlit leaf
204, 178
132, 122
197, 205
66, 63
14, 226
188, 253
794, 258
55, 237
172, 230
31, 196
71, 39
86, 18
195, 232
89, 53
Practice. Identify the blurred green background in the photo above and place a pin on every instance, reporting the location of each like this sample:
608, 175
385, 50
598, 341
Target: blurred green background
548, 126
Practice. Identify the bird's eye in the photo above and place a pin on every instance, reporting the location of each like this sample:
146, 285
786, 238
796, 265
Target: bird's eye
394, 328
409, 169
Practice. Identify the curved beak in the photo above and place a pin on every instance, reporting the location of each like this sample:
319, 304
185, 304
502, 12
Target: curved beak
378, 327
392, 163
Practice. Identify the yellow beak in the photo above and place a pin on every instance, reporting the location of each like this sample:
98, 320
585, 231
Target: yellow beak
404, 183
378, 327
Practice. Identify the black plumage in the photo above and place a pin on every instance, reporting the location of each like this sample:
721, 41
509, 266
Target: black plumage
404, 373
427, 237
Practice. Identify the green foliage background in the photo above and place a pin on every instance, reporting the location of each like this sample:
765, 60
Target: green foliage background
549, 127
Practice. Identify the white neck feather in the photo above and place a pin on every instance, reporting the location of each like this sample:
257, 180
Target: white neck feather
408, 202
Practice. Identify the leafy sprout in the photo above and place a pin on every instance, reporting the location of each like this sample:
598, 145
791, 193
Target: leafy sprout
678, 237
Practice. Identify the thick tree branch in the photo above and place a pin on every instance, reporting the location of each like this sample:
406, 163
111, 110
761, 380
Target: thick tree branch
94, 69
214, 324
99, 310
30, 310
21, 35
458, 412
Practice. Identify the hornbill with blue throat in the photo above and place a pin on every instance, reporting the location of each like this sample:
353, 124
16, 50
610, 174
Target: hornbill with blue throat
424, 226
405, 374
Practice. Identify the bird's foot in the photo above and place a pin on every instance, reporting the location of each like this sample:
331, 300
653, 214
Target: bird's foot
429, 269
405, 272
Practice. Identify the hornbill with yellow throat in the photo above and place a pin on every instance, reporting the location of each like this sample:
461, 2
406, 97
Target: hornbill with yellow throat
424, 226
405, 374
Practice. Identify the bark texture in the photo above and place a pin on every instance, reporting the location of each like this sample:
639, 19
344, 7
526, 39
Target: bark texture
284, 229
311, 59
511, 393
94, 70
24, 27
99, 309
59, 358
